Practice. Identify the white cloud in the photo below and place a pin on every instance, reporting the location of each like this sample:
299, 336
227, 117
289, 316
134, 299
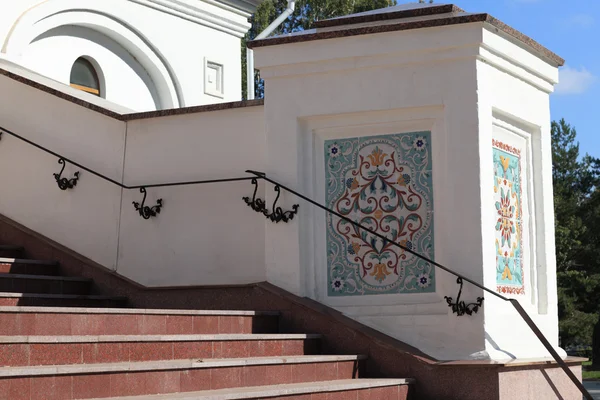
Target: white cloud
574, 81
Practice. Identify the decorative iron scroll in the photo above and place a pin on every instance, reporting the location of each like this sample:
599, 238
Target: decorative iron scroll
278, 214
65, 183
145, 211
259, 205
460, 307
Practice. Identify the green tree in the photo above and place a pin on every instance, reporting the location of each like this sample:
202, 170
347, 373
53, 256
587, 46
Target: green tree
577, 210
306, 13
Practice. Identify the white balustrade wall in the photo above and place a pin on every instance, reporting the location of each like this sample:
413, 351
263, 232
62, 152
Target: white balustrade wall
205, 234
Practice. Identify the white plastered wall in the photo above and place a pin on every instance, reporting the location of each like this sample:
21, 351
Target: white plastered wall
338, 94
205, 234
86, 219
514, 101
168, 41
427, 79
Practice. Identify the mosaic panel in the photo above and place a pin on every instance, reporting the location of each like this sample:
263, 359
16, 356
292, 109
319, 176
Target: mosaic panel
509, 223
384, 183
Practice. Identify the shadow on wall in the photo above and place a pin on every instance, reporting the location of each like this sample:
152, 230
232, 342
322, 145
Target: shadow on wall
124, 75
497, 348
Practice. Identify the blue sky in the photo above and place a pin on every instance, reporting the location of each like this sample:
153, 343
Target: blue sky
570, 28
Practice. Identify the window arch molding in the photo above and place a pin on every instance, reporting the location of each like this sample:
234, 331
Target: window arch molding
96, 15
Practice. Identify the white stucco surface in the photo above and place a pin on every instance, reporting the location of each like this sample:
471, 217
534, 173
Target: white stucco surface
85, 220
151, 53
454, 81
211, 236
205, 235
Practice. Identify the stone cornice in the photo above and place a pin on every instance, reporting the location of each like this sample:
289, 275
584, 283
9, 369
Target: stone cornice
200, 12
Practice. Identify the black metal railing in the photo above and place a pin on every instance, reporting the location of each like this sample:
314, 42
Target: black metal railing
277, 215
145, 211
467, 308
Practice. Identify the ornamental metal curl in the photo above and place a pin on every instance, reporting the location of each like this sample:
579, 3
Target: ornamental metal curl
65, 183
257, 205
278, 214
460, 307
145, 211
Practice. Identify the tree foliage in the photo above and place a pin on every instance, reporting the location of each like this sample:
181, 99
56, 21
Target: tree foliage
306, 13
576, 179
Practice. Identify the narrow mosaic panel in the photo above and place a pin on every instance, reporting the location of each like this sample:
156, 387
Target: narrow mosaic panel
384, 183
509, 224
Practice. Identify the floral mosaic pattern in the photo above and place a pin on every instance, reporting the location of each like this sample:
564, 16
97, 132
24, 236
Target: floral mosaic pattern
508, 224
384, 183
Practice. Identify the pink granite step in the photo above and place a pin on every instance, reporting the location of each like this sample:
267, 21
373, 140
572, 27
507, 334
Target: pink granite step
149, 378
59, 300
345, 389
10, 251
27, 321
53, 350
21, 283
27, 267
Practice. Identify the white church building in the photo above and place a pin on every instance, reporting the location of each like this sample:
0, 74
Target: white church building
143, 55
390, 198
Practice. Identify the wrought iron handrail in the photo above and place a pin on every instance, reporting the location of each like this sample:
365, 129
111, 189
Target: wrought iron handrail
106, 178
530, 323
145, 211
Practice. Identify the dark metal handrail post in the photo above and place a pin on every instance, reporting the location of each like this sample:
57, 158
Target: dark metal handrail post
538, 333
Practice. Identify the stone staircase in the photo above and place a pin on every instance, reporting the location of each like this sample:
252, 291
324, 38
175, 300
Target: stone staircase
60, 341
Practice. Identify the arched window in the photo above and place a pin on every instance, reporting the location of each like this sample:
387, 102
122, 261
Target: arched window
85, 77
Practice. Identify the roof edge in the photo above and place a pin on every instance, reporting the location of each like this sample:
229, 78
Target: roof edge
403, 26
134, 115
385, 16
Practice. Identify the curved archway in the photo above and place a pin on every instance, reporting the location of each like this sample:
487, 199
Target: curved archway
96, 15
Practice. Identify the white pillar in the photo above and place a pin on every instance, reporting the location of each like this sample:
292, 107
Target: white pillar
421, 109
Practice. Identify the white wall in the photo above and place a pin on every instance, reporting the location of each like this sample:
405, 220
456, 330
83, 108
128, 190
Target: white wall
385, 90
205, 234
86, 219
162, 46
520, 106
408, 81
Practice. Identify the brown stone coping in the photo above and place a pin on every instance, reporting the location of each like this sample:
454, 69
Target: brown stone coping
61, 95
193, 110
403, 26
519, 362
384, 16
132, 116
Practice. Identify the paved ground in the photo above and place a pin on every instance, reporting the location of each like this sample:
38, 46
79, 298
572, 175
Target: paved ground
593, 387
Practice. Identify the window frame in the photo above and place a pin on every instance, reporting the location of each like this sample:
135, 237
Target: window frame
96, 75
